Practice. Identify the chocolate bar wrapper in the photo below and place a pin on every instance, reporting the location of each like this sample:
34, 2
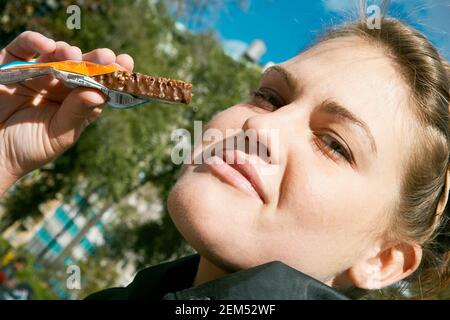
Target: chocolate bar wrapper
163, 89
124, 90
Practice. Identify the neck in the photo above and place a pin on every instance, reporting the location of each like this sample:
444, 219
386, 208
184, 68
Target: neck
207, 271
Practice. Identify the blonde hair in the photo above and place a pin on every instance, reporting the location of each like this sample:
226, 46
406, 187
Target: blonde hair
416, 216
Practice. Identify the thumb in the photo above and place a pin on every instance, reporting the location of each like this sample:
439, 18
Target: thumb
76, 112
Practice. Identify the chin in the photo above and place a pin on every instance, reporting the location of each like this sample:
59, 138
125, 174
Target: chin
214, 218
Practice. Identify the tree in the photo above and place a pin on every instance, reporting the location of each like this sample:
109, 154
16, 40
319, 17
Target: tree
125, 150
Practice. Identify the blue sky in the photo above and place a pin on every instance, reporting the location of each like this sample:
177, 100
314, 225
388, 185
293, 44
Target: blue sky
287, 26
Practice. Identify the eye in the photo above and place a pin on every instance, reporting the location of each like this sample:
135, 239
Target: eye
333, 148
268, 99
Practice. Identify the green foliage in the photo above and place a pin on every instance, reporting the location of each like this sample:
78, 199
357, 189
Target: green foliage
124, 150
97, 274
36, 278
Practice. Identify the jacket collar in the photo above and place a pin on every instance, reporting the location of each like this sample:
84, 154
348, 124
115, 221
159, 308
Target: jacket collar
270, 281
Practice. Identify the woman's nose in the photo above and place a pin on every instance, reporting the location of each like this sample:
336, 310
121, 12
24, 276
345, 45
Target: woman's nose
264, 132
278, 128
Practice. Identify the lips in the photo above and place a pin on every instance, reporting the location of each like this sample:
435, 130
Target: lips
235, 168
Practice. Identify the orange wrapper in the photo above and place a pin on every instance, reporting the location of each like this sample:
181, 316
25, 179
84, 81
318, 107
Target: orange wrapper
80, 67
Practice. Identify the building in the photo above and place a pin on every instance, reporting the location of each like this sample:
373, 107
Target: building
255, 51
59, 231
63, 227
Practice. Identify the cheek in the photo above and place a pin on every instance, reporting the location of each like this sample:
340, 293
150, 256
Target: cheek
326, 194
309, 198
330, 211
321, 226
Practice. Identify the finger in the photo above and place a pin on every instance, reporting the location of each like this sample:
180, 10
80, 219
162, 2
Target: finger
78, 106
100, 56
70, 119
11, 102
63, 51
51, 56
56, 91
68, 53
26, 46
52, 88
93, 116
125, 61
96, 113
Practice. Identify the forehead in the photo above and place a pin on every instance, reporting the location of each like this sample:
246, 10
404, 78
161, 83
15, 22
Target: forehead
362, 78
340, 66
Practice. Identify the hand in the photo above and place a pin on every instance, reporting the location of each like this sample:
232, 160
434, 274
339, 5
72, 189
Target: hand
41, 118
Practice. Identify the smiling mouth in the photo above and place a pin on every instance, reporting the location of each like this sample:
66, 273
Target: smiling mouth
235, 169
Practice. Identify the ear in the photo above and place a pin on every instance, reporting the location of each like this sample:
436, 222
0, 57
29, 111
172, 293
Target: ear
386, 266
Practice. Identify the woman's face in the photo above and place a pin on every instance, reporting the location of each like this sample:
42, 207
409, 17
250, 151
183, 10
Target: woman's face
336, 132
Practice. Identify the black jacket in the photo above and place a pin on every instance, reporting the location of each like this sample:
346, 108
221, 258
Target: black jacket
172, 281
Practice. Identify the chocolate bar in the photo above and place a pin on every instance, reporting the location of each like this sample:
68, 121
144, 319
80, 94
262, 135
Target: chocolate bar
145, 86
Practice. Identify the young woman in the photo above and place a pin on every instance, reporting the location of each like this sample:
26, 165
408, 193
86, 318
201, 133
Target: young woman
357, 201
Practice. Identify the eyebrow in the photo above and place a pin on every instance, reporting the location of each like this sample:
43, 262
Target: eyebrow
328, 106
287, 77
337, 110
